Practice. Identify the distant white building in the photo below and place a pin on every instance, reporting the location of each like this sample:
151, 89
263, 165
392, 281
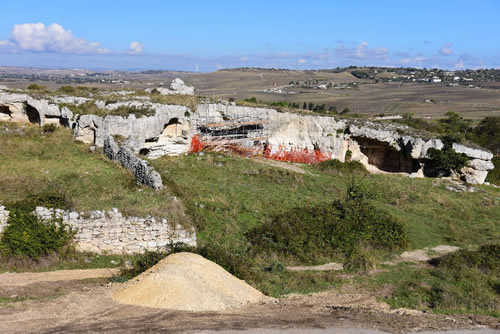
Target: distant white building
436, 79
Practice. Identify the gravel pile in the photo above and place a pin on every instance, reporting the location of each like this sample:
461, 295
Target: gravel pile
189, 282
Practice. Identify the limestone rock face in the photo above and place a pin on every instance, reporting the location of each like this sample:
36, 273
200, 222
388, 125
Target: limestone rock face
23, 108
474, 176
481, 165
474, 153
176, 87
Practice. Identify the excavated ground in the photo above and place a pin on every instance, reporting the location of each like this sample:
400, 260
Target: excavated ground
87, 306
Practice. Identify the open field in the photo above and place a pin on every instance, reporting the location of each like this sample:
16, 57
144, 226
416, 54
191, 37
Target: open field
369, 98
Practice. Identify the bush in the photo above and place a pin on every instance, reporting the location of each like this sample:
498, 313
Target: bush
486, 259
487, 134
345, 226
252, 99
67, 90
494, 175
35, 87
442, 162
49, 128
146, 260
48, 199
27, 236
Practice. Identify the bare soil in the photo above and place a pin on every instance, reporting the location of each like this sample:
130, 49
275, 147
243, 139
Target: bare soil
81, 306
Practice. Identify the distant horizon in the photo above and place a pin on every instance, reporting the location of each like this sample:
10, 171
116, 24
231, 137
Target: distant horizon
204, 36
131, 70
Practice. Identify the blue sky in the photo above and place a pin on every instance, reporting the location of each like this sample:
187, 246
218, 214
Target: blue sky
179, 35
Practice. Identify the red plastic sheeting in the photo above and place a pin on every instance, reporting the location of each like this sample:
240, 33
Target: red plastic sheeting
293, 155
196, 144
297, 155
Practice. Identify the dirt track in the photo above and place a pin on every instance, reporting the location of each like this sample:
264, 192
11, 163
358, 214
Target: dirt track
87, 306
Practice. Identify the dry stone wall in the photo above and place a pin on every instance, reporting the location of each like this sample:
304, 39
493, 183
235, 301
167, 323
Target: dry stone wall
143, 173
111, 232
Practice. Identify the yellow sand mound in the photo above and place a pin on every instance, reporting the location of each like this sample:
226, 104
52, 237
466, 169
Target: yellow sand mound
187, 281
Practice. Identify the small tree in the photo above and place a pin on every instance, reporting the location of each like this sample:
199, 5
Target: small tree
304, 106
311, 106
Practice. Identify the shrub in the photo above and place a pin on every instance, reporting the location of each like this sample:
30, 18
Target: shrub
35, 87
146, 260
48, 199
67, 90
27, 236
348, 155
143, 262
442, 162
345, 226
486, 259
252, 99
494, 175
49, 128
487, 134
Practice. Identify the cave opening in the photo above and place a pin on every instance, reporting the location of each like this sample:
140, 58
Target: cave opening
387, 158
5, 110
33, 114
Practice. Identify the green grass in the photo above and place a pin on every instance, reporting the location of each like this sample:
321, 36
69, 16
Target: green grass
227, 196
32, 163
465, 282
76, 260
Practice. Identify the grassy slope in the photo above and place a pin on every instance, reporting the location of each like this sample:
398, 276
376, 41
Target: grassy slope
34, 163
226, 196
232, 194
229, 195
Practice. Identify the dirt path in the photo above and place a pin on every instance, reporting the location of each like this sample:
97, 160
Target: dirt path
23, 279
282, 164
423, 255
332, 266
90, 308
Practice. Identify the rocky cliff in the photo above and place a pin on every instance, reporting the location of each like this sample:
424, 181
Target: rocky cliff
171, 129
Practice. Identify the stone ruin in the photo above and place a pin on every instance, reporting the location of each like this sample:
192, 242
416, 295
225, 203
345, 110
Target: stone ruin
175, 130
110, 231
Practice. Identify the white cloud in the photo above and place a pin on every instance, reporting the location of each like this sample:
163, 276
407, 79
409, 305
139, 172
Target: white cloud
446, 50
361, 52
5, 43
301, 61
52, 38
135, 48
244, 59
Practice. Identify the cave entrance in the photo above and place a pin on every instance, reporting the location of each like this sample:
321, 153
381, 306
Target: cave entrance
5, 110
386, 158
173, 128
56, 120
4, 113
33, 114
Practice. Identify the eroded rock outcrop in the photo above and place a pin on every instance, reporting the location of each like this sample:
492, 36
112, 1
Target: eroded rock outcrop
176, 87
160, 129
23, 108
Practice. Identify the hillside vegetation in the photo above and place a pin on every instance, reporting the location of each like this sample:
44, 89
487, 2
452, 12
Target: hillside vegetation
255, 219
